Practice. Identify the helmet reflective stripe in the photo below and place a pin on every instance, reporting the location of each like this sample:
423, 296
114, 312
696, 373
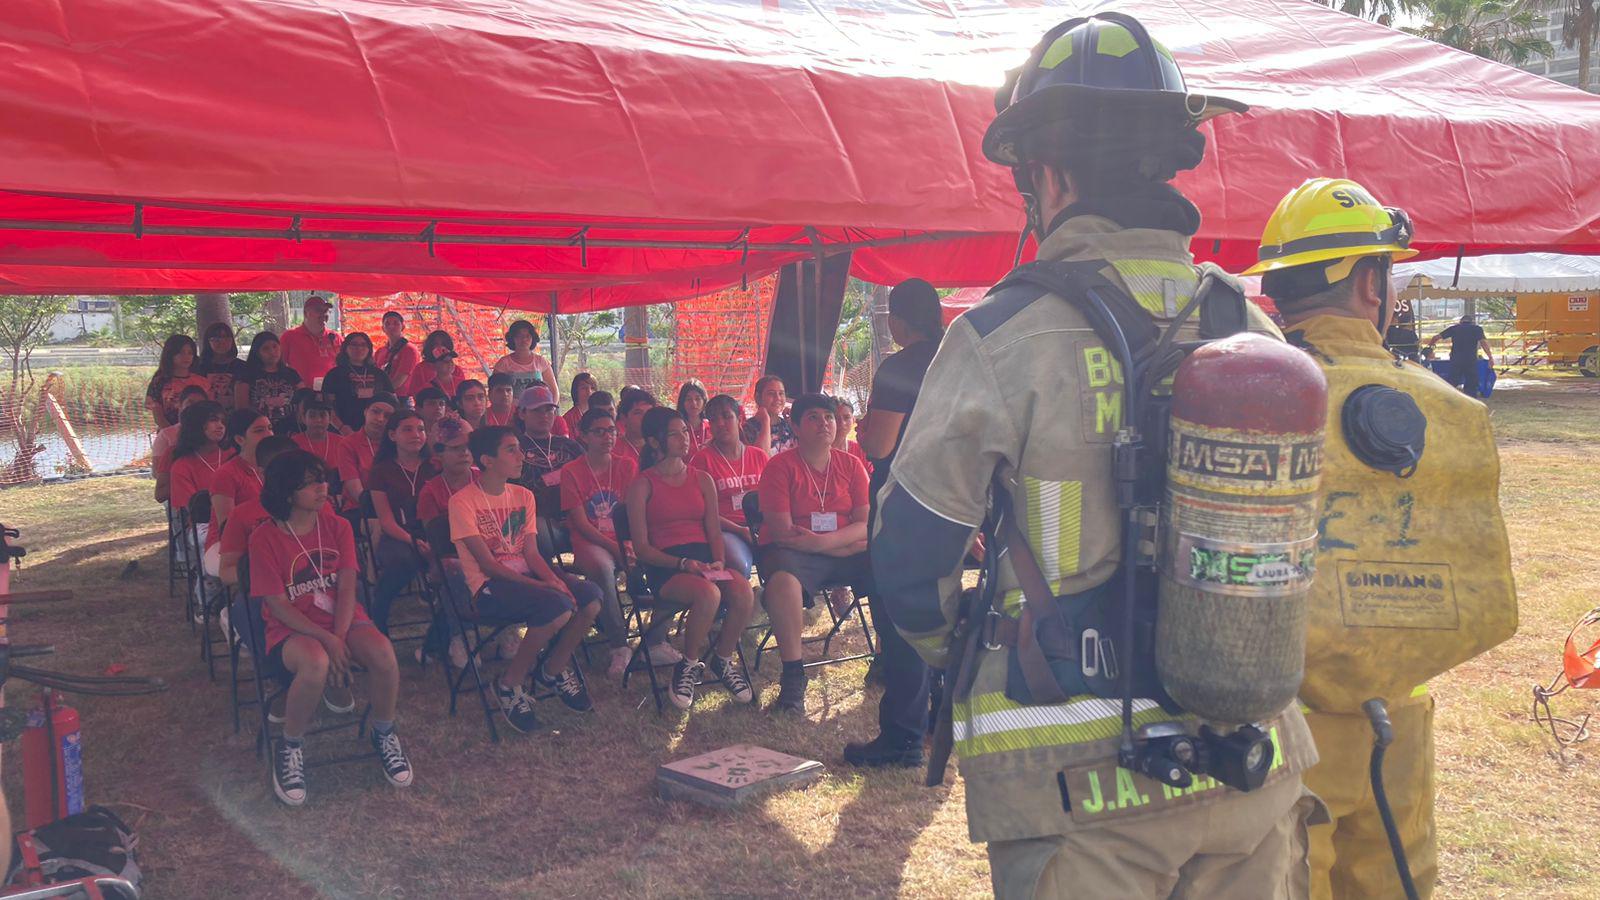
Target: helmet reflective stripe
1327, 220
1398, 234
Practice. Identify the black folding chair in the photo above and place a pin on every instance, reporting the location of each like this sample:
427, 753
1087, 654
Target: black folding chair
419, 588
856, 609
643, 599
177, 565
272, 681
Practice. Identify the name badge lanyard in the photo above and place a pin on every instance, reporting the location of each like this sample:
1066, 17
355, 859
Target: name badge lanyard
608, 526
311, 560
827, 480
739, 486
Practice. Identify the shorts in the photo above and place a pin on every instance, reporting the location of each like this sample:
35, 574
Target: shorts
502, 602
816, 570
658, 576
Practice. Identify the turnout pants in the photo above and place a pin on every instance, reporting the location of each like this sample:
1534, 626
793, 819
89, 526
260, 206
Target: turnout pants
1350, 856
1250, 845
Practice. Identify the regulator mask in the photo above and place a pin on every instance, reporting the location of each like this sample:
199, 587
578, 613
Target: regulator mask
1384, 428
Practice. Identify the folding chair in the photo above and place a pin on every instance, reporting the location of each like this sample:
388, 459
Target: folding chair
643, 599
247, 623
177, 566
418, 588
206, 595
753, 519
462, 617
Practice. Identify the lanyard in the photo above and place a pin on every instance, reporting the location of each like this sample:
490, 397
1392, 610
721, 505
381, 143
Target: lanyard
411, 476
547, 451
729, 466
595, 476
827, 480
254, 471
209, 465
313, 562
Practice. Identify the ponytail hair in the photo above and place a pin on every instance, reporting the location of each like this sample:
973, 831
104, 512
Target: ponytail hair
654, 427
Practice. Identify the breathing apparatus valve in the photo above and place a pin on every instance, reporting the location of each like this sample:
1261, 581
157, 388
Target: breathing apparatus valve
1168, 753
1384, 428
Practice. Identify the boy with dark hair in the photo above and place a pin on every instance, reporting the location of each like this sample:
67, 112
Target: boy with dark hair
502, 411
493, 526
630, 422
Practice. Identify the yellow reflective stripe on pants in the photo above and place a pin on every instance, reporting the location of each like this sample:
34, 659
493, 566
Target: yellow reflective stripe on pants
993, 723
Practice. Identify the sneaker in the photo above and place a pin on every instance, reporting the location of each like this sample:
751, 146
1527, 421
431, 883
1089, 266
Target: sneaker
275, 710
568, 686
732, 678
396, 767
880, 753
339, 698
620, 657
516, 707
458, 653
663, 654
289, 773
684, 677
791, 693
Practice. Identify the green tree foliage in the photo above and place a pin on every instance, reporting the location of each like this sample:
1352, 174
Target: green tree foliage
1506, 31
578, 335
149, 320
25, 324
1384, 11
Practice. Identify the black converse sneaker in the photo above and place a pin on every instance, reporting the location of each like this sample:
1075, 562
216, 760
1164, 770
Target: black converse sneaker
732, 677
685, 675
289, 772
568, 686
516, 707
396, 767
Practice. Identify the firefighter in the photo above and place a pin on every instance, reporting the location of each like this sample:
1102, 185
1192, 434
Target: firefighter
1413, 571
1025, 398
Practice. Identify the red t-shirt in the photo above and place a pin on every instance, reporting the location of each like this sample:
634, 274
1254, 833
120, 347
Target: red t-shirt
433, 500
789, 485
675, 514
241, 524
422, 376
309, 356
355, 457
400, 487
571, 417
237, 480
326, 449
732, 480
194, 473
595, 493
854, 449
626, 451
405, 361
305, 569
699, 437
492, 418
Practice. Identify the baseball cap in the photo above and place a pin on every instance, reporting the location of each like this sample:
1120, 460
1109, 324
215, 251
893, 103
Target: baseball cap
383, 397
441, 353
318, 298
536, 396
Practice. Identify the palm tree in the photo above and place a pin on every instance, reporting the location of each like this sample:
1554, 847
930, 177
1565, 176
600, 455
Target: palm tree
1580, 28
1506, 31
1384, 11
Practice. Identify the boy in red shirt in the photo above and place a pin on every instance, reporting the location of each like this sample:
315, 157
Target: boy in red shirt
492, 525
814, 503
358, 448
303, 568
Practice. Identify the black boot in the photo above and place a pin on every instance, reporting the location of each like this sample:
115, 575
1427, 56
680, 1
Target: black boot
882, 752
791, 689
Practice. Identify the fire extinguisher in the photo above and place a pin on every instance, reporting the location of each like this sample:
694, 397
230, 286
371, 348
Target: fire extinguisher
52, 761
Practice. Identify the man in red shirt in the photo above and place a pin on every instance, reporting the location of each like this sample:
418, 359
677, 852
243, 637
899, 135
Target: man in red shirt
310, 348
814, 502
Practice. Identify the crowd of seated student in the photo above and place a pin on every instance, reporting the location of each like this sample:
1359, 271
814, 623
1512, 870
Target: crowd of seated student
498, 465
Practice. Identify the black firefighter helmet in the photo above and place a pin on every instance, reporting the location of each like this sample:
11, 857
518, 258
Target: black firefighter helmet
1098, 86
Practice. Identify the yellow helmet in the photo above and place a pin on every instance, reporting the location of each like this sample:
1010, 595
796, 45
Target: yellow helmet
1329, 219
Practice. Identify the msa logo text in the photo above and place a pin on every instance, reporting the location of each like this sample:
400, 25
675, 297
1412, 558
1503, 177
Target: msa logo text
1253, 462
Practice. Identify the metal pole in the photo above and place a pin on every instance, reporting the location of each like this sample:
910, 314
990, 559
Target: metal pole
550, 324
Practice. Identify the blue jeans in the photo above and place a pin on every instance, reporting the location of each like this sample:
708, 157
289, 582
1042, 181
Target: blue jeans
397, 566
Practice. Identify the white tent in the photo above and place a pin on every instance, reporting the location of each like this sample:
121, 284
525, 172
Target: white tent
1509, 274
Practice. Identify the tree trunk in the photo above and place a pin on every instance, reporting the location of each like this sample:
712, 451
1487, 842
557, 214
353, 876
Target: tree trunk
636, 361
277, 312
209, 309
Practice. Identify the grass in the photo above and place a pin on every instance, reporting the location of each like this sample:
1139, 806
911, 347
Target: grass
571, 812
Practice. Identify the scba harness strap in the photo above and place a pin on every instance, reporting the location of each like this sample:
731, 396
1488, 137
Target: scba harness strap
1066, 646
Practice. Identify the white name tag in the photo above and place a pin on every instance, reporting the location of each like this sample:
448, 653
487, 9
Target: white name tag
552, 479
738, 500
822, 523
321, 600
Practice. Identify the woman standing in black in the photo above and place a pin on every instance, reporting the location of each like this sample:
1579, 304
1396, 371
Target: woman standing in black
355, 379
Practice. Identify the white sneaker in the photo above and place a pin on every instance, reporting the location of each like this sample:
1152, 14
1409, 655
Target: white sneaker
458, 653
663, 654
619, 662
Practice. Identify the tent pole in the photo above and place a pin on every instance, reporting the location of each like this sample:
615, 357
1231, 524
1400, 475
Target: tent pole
550, 327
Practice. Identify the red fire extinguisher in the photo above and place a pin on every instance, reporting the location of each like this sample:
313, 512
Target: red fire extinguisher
52, 761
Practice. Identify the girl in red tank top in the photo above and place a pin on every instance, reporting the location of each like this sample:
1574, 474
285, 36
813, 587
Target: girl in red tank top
676, 532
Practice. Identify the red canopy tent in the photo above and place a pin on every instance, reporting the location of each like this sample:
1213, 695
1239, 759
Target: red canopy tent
606, 152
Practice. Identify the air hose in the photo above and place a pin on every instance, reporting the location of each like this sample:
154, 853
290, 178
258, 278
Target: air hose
1382, 737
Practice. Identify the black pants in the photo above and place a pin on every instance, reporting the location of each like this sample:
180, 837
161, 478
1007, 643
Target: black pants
1464, 375
903, 711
